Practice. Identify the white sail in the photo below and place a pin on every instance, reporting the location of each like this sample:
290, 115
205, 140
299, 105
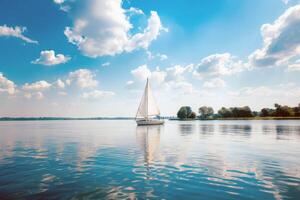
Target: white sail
148, 106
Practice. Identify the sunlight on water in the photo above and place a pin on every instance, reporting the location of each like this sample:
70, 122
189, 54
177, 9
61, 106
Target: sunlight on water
180, 160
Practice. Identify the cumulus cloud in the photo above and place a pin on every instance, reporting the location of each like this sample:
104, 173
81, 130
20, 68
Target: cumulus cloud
36, 95
60, 84
49, 58
169, 79
144, 39
158, 76
83, 78
281, 40
37, 86
17, 32
174, 73
177, 72
35, 90
214, 83
103, 28
182, 87
141, 73
6, 85
219, 65
97, 94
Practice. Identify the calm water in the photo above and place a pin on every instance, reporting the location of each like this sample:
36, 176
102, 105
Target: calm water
180, 160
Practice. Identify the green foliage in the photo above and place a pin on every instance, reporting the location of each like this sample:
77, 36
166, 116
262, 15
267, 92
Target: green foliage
185, 112
281, 111
267, 112
206, 112
235, 112
193, 115
224, 112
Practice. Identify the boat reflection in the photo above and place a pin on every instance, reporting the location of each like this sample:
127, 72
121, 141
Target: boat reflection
148, 138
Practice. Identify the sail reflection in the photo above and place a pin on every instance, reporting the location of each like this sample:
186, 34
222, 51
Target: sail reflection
148, 138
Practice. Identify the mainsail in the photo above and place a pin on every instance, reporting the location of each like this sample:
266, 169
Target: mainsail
148, 107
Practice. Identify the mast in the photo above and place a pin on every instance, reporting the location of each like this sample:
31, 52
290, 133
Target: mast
147, 100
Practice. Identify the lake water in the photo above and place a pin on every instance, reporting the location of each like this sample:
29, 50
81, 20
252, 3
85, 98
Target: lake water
180, 160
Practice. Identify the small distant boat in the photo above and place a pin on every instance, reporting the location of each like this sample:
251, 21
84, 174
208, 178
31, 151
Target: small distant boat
148, 111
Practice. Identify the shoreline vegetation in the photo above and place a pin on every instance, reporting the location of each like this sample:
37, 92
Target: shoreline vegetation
185, 113
279, 112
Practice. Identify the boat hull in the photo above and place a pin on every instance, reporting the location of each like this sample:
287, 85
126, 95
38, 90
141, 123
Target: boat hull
149, 122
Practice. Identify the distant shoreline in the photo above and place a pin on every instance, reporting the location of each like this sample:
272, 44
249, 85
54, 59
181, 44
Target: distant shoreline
241, 118
132, 118
62, 118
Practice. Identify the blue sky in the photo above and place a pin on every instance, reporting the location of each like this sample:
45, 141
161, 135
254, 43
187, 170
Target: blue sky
91, 58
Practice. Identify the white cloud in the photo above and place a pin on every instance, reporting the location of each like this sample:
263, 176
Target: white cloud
17, 32
218, 65
141, 73
36, 95
178, 72
103, 28
28, 95
158, 76
37, 86
83, 78
137, 11
6, 85
214, 83
151, 56
129, 83
170, 79
162, 56
281, 40
96, 94
39, 95
183, 87
143, 40
106, 64
49, 58
285, 1
59, 1
60, 84
295, 66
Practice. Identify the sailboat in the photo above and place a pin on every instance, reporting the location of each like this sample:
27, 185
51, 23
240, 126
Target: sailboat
148, 110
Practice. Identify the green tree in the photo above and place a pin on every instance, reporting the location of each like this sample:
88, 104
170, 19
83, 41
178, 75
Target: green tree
205, 111
297, 111
193, 115
224, 112
284, 111
184, 112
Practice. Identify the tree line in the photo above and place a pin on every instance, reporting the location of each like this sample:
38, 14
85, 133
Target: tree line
205, 112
